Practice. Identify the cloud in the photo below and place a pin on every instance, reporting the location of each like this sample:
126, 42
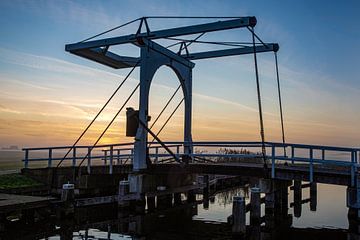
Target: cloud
9, 110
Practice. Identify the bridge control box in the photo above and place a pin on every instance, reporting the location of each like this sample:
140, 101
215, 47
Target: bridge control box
132, 122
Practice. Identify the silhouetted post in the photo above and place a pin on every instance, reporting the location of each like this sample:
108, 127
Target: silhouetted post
109, 231
123, 191
177, 198
68, 197
67, 192
206, 200
191, 197
255, 212
150, 203
313, 196
163, 200
297, 198
284, 198
206, 182
140, 204
239, 215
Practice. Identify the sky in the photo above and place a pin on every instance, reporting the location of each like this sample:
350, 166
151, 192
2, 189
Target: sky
48, 96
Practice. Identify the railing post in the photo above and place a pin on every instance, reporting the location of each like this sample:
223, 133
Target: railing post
292, 154
89, 161
118, 157
111, 160
311, 166
132, 155
273, 161
157, 154
353, 157
74, 157
178, 149
26, 163
105, 157
323, 154
50, 157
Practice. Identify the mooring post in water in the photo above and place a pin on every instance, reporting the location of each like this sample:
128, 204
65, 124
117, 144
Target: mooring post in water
177, 198
353, 203
255, 201
124, 187
239, 215
267, 186
140, 204
191, 197
206, 182
297, 198
163, 200
206, 192
313, 196
67, 197
150, 201
67, 192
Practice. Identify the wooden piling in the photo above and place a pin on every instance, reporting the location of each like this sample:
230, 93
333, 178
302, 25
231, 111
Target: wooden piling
313, 196
297, 198
255, 201
150, 203
191, 197
239, 215
124, 187
177, 198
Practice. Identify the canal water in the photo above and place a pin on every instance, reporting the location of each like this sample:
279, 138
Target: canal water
200, 221
194, 220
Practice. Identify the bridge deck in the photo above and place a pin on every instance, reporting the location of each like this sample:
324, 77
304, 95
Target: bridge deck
328, 175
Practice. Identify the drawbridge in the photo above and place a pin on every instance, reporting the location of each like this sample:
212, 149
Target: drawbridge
271, 160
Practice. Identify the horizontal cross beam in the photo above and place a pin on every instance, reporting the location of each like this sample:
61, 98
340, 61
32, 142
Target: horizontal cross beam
172, 32
273, 47
115, 61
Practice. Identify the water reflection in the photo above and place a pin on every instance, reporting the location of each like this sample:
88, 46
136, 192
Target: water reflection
201, 221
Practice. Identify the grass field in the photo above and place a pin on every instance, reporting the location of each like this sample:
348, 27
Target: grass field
9, 181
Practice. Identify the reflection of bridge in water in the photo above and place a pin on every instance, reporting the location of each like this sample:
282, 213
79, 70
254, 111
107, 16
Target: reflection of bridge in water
162, 172
176, 221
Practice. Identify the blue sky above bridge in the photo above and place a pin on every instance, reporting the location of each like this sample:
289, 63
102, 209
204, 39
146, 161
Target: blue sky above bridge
47, 96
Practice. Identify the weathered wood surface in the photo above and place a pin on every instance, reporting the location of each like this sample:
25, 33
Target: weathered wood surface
11, 202
322, 174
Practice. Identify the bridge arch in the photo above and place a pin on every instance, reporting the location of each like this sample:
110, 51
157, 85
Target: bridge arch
151, 61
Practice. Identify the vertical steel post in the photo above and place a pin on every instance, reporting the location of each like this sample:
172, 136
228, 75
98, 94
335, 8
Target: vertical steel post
111, 159
311, 166
118, 157
157, 154
26, 163
74, 157
50, 157
292, 154
89, 161
105, 157
273, 161
352, 170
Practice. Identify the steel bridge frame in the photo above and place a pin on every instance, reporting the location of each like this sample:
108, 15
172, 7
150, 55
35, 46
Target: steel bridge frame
152, 57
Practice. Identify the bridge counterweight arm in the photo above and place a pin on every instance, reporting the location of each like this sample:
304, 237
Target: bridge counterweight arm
179, 31
116, 61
